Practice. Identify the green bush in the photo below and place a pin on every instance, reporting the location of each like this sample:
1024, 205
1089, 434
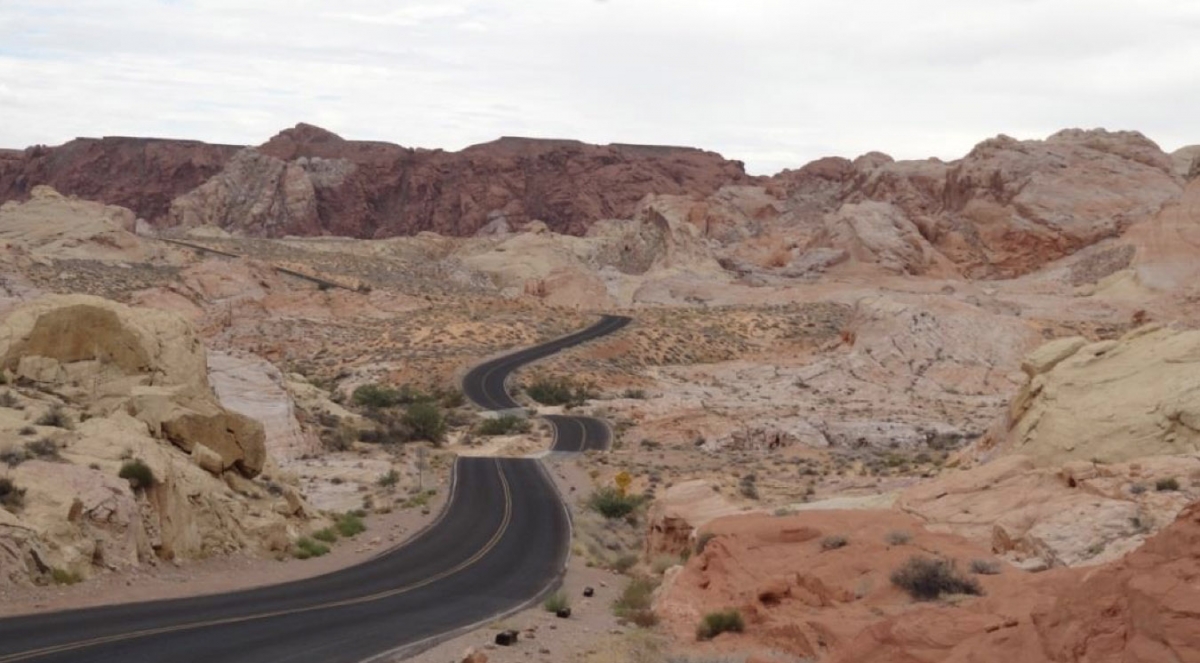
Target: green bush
926, 579
350, 525
556, 601
56, 417
327, 535
375, 396
137, 473
624, 563
509, 424
388, 480
11, 497
558, 391
306, 548
1165, 485
426, 422
610, 503
716, 623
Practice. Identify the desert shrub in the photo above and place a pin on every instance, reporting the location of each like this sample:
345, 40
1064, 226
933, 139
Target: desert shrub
926, 579
137, 473
716, 623
452, 399
664, 562
748, 486
11, 497
306, 548
1165, 485
508, 424
984, 567
834, 542
624, 563
426, 422
611, 503
65, 577
27, 430
556, 601
8, 400
55, 416
898, 538
13, 456
639, 394
375, 396
327, 535
1137, 488
634, 603
43, 448
558, 391
702, 541
350, 524
391, 478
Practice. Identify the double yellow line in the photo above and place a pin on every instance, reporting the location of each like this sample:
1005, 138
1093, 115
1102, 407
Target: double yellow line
120, 637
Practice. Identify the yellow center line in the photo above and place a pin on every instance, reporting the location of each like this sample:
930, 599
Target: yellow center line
471, 561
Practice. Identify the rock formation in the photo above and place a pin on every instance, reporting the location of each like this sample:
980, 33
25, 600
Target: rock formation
104, 384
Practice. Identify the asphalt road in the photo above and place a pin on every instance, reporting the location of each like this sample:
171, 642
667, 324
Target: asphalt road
501, 541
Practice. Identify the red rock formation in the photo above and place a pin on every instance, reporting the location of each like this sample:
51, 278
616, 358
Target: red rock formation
142, 174
308, 181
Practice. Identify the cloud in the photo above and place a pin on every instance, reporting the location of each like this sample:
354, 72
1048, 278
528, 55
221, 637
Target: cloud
772, 82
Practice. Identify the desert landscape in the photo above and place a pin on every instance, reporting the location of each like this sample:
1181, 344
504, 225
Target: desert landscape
866, 410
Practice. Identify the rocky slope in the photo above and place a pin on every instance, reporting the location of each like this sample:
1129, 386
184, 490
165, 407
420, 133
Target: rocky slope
96, 386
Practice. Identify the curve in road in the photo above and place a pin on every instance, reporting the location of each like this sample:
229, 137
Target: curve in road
500, 542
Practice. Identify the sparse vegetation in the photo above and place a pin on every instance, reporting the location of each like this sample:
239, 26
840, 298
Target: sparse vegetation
984, 567
898, 538
509, 424
611, 503
11, 497
426, 422
926, 579
56, 417
624, 563
375, 396
639, 394
388, 480
559, 391
1166, 485
28, 430
748, 486
716, 623
1137, 488
834, 542
137, 473
8, 400
13, 456
634, 603
556, 601
65, 577
328, 535
307, 548
44, 448
664, 562
350, 524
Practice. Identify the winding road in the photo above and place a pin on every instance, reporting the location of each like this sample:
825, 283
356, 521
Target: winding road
500, 543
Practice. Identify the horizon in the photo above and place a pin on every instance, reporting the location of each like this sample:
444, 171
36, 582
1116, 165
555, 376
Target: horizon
770, 83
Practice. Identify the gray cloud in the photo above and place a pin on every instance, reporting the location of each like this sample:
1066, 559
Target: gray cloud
772, 82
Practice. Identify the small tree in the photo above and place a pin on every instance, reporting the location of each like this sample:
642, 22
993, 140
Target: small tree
426, 422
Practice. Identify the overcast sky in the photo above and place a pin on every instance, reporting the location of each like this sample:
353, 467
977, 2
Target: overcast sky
775, 83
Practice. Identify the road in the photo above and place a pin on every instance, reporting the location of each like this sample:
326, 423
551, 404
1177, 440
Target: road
501, 542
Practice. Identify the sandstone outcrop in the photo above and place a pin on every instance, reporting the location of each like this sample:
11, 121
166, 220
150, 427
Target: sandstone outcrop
50, 225
1109, 401
102, 384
